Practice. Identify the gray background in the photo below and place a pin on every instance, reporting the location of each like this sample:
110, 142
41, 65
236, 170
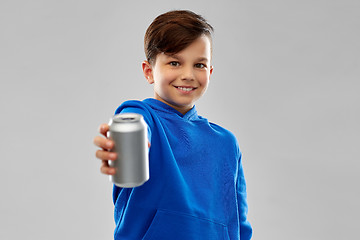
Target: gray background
285, 82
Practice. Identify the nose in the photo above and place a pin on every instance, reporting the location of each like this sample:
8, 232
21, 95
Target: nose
188, 74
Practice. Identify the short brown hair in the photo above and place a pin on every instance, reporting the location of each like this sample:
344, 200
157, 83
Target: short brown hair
173, 31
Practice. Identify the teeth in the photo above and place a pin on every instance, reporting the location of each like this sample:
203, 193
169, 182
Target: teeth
185, 89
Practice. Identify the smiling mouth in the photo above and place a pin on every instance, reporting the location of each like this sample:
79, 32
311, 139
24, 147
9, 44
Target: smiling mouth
186, 89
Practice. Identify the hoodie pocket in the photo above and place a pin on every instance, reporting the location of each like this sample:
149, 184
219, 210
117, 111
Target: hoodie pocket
173, 225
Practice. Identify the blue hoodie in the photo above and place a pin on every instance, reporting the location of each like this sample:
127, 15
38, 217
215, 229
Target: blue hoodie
196, 188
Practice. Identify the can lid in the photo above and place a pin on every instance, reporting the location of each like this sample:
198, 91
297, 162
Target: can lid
127, 117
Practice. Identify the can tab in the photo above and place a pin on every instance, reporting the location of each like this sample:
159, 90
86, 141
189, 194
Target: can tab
126, 117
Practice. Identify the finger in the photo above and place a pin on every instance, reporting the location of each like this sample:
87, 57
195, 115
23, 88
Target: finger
105, 155
103, 129
105, 169
103, 143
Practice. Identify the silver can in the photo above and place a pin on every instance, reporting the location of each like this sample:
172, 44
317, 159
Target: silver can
129, 133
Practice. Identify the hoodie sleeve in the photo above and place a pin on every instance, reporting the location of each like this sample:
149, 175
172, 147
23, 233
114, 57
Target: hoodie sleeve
245, 227
138, 107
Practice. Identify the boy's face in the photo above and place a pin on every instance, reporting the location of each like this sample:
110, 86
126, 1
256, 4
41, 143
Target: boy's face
180, 79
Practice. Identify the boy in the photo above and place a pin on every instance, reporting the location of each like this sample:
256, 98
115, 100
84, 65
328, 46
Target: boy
196, 188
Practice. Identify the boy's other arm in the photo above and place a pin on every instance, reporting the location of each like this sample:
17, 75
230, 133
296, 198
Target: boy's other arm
245, 227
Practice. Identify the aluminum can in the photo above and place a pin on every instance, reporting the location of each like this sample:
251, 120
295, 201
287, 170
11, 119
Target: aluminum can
129, 133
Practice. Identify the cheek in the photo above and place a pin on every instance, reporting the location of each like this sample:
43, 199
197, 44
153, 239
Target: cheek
203, 78
164, 77
170, 76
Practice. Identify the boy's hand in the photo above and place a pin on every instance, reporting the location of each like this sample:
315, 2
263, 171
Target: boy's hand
104, 153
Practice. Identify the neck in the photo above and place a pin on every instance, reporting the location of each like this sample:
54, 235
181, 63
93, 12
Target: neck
182, 109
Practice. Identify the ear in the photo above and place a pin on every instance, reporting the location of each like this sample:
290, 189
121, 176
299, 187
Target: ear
148, 72
211, 71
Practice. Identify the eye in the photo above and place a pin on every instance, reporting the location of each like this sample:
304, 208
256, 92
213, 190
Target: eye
174, 64
200, 65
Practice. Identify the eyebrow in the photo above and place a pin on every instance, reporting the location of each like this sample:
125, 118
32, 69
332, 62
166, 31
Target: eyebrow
200, 59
